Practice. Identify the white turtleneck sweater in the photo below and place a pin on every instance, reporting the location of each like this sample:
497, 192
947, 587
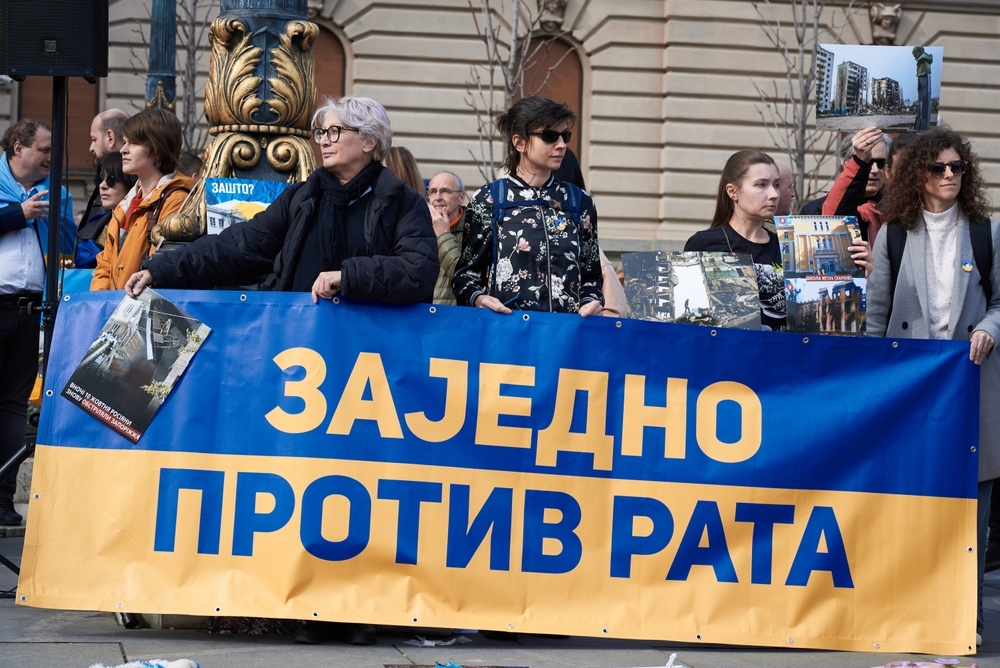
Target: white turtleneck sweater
941, 236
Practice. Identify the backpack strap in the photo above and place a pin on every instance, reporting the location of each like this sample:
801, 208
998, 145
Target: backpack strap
895, 242
154, 216
573, 203
980, 234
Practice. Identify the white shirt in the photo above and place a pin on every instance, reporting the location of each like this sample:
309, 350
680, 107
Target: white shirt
941, 237
21, 265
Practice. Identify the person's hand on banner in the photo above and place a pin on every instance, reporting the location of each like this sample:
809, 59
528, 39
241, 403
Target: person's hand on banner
591, 308
138, 282
492, 303
326, 285
980, 346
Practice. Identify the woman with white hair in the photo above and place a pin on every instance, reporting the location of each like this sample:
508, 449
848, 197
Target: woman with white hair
351, 228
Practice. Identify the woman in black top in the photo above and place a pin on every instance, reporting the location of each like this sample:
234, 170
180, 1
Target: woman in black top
748, 196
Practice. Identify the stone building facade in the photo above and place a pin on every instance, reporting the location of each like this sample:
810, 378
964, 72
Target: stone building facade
664, 89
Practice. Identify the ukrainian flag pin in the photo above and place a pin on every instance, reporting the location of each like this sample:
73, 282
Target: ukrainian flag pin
966, 266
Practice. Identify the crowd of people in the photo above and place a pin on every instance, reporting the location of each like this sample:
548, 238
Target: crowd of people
364, 226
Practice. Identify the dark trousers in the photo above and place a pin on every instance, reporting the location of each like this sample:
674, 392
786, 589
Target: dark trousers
18, 366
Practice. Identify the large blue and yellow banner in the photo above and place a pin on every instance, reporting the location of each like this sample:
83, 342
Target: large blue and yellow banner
539, 473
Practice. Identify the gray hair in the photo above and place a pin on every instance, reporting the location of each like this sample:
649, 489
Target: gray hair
364, 114
847, 146
112, 119
458, 179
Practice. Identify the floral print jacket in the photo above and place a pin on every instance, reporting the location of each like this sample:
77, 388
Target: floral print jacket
544, 261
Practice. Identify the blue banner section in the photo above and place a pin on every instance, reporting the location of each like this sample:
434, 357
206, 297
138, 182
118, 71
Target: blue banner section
547, 393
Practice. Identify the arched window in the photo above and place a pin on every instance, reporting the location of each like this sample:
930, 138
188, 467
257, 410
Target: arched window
36, 102
555, 72
330, 70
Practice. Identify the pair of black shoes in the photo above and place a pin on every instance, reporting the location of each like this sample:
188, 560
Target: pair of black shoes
316, 633
8, 516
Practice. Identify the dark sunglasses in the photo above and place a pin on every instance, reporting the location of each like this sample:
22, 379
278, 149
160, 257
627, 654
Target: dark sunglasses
109, 179
879, 162
957, 167
551, 136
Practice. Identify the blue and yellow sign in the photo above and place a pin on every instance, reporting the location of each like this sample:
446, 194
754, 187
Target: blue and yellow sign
450, 467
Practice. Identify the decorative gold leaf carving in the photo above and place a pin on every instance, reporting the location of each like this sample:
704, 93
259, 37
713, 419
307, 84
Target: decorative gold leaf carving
293, 155
294, 89
231, 92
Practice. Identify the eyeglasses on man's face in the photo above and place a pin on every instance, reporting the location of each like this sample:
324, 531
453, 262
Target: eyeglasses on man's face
956, 166
444, 192
551, 136
331, 132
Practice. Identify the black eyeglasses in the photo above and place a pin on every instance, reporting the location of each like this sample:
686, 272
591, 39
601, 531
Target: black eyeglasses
879, 162
551, 136
109, 179
956, 166
332, 133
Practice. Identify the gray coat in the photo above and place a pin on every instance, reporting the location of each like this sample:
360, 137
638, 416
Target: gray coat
969, 312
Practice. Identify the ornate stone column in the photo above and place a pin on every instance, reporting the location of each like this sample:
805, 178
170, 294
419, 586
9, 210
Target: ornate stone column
259, 100
161, 80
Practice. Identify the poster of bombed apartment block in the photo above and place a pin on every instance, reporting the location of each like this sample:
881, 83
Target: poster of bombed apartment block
896, 88
711, 289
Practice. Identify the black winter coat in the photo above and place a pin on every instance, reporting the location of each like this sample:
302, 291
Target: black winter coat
400, 266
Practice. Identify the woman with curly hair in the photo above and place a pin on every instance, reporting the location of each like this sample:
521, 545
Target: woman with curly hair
931, 279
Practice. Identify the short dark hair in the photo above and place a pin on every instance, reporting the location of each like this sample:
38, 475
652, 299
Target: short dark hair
897, 146
160, 131
527, 115
111, 165
189, 164
23, 132
734, 172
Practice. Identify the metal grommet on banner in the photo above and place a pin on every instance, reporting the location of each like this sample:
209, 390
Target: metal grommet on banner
336, 300
618, 323
878, 645
604, 631
510, 626
895, 344
66, 298
697, 636
48, 393
315, 614
433, 309
218, 609
414, 620
37, 496
970, 549
24, 598
243, 298
805, 339
525, 317
791, 641
120, 605
972, 449
713, 332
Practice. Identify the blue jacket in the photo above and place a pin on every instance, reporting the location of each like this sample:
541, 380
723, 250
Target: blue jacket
12, 217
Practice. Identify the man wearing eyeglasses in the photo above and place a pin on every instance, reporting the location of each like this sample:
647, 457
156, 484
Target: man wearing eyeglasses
858, 190
446, 197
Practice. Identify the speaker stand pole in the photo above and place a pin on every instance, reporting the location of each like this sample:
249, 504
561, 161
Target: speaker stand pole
59, 95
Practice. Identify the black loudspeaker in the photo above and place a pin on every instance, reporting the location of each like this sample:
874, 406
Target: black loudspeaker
67, 38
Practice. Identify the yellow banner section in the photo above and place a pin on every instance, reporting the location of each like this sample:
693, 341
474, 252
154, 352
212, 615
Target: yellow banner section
496, 550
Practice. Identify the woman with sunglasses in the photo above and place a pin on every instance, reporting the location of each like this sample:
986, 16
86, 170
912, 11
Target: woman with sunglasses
152, 143
534, 248
112, 185
937, 204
